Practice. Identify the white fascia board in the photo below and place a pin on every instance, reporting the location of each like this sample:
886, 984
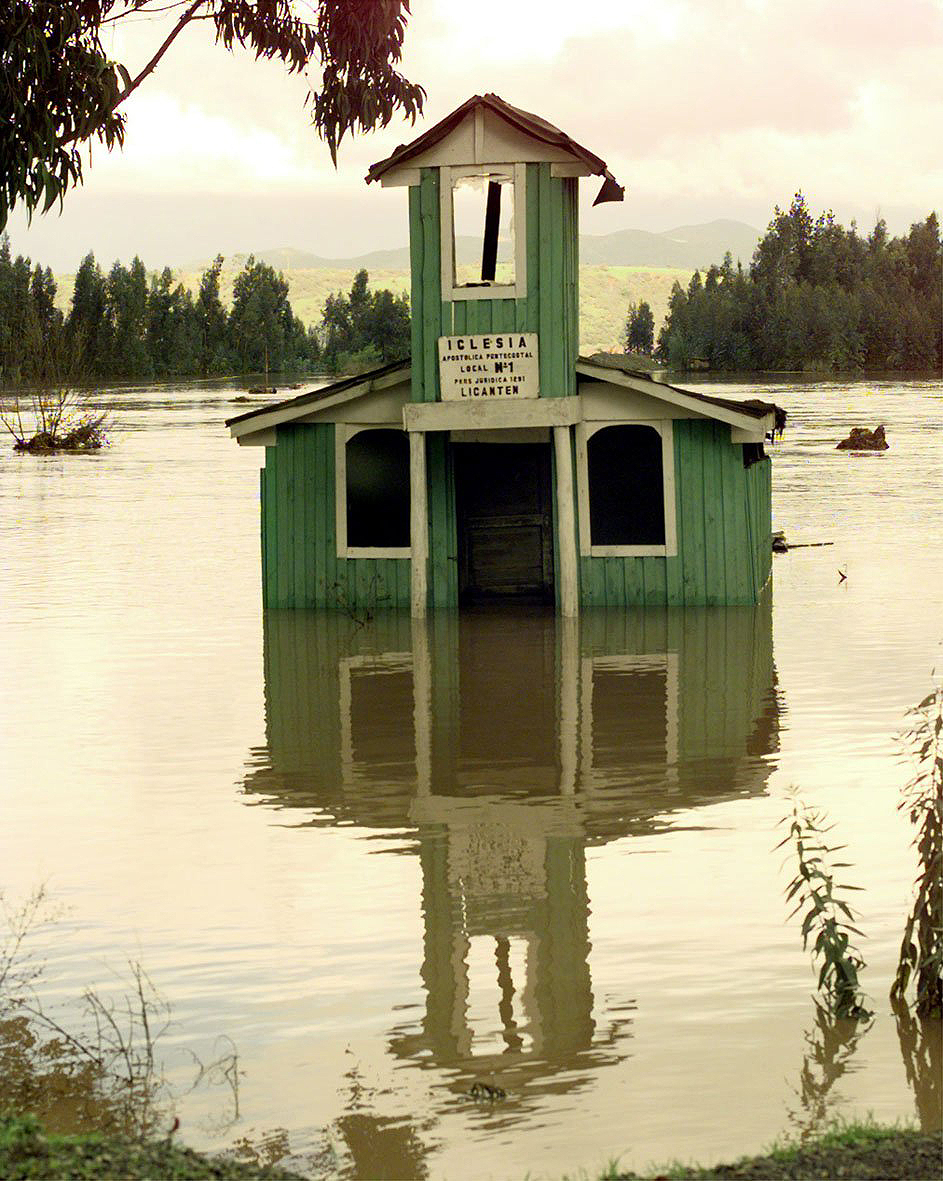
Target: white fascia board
295, 412
257, 439
756, 435
576, 168
667, 393
491, 415
398, 178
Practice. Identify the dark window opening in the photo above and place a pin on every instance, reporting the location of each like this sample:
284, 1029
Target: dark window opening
483, 231
630, 716
381, 716
626, 486
378, 489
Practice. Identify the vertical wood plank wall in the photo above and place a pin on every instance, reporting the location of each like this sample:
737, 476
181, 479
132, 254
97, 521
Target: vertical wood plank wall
723, 510
724, 535
300, 566
550, 308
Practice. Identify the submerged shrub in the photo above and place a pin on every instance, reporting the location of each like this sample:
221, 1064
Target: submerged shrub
58, 419
97, 1065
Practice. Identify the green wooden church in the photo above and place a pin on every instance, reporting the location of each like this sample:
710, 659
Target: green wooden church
496, 463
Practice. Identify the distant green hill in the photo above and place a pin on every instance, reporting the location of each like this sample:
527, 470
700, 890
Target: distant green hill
684, 247
605, 293
617, 269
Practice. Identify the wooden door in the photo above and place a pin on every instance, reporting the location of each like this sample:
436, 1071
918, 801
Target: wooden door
505, 521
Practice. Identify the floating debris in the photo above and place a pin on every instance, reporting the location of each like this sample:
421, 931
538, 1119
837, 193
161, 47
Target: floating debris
485, 1091
782, 546
861, 439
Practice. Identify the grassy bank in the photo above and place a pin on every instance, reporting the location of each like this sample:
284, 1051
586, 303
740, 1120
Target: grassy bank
28, 1153
858, 1151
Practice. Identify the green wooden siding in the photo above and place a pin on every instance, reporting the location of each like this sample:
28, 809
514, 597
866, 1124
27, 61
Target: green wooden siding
722, 510
443, 535
550, 307
723, 514
731, 648
300, 566
723, 528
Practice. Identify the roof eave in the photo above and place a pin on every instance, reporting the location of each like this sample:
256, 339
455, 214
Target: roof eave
749, 419
531, 125
266, 418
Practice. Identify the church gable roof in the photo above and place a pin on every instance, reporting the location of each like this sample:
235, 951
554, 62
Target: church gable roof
552, 143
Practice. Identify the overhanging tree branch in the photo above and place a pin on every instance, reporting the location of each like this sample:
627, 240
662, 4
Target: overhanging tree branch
59, 89
133, 84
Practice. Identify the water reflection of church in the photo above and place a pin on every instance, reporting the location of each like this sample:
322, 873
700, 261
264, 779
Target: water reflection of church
508, 743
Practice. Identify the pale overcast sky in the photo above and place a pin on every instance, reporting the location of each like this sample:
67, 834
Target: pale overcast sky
702, 108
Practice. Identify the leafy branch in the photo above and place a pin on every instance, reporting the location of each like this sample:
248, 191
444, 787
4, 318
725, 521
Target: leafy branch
921, 950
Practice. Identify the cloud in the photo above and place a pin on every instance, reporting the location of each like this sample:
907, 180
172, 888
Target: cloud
174, 145
704, 109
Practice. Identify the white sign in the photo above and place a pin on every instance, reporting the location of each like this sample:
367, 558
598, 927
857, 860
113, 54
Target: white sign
496, 365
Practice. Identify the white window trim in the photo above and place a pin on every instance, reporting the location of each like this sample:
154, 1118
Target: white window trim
516, 290
628, 664
383, 663
584, 431
343, 433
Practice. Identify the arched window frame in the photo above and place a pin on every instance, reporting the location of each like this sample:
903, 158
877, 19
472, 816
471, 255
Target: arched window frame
343, 433
448, 176
584, 432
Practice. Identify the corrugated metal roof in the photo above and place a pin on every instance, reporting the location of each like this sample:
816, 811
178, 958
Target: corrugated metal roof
532, 125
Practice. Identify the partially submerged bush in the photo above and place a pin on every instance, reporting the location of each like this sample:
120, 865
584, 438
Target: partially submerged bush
96, 1066
48, 420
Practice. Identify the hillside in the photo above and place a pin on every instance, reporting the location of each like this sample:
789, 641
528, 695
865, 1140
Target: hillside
617, 269
605, 293
684, 247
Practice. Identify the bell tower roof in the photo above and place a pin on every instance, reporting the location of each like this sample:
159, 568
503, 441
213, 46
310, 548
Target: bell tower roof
487, 130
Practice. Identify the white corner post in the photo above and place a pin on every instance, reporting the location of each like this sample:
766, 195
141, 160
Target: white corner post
418, 524
569, 656
422, 707
566, 522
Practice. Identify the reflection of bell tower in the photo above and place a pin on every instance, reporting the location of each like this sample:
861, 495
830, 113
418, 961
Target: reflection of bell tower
503, 860
548, 917
503, 744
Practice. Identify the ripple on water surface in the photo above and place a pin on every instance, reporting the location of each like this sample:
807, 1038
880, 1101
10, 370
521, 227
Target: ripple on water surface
393, 862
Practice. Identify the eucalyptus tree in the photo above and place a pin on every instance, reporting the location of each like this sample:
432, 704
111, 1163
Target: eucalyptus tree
60, 89
261, 319
212, 322
126, 308
88, 329
817, 297
640, 329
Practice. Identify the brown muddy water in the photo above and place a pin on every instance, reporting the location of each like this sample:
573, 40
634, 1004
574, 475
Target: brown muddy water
393, 862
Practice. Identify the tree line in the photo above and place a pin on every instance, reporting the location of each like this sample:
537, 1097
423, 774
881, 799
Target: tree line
132, 324
816, 297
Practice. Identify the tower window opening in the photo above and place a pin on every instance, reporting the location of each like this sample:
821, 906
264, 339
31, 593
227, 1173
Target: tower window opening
483, 230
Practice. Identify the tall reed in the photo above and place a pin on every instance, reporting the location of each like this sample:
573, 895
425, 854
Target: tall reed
827, 917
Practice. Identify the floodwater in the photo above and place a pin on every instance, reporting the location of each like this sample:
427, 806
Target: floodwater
393, 862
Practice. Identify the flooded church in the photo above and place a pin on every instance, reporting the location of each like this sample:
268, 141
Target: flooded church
496, 463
